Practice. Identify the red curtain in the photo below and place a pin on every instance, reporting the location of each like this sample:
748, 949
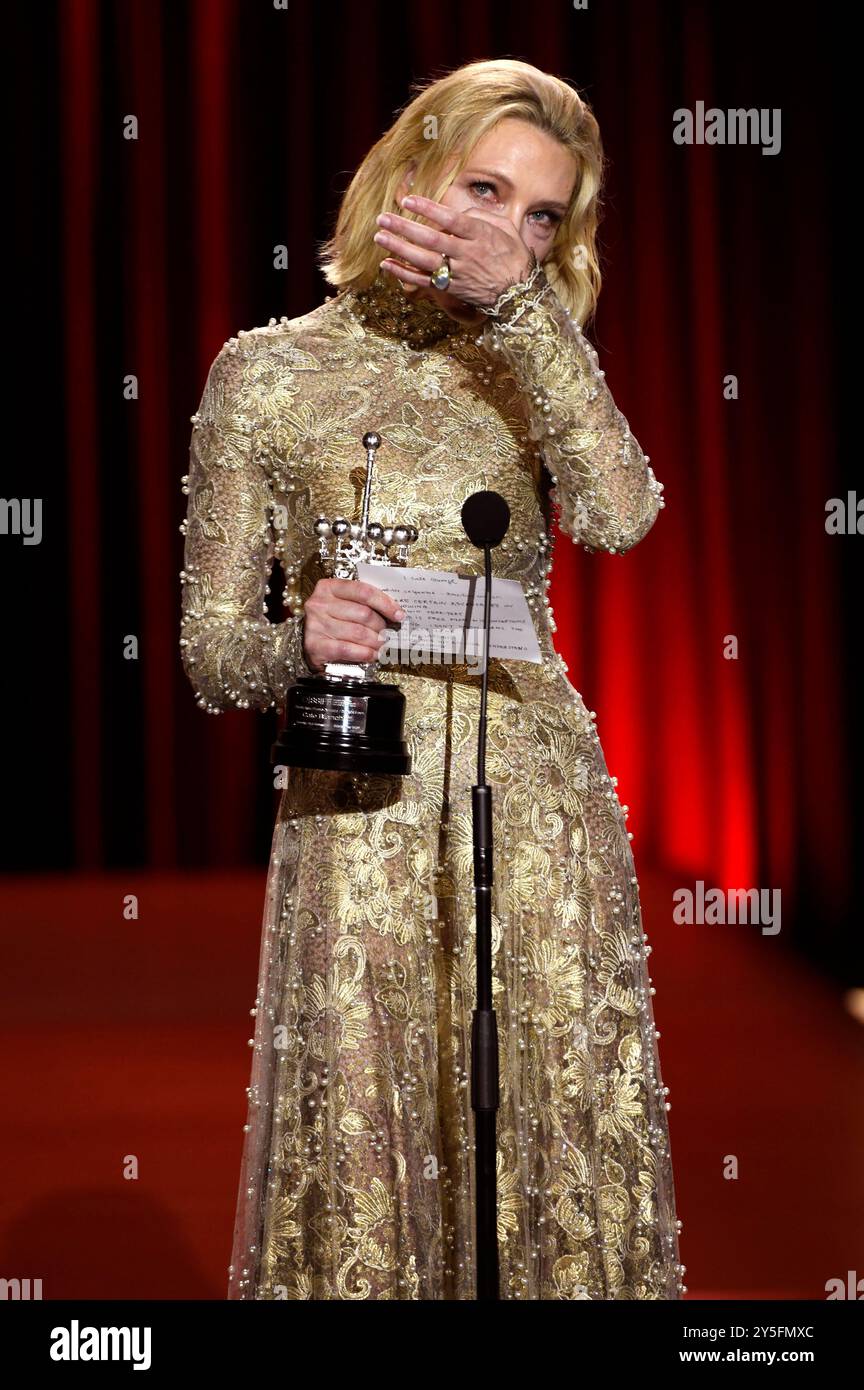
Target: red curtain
717, 264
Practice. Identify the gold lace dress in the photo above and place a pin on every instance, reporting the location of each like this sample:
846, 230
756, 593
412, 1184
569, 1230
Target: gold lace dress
357, 1168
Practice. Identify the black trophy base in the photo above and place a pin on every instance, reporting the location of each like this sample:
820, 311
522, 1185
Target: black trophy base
343, 726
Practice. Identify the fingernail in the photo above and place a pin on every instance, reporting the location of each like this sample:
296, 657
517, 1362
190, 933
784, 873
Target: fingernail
399, 615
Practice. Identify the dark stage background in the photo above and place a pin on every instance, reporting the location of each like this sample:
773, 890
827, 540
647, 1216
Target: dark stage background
142, 257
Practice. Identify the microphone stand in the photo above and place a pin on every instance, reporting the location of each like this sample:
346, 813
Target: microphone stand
484, 1028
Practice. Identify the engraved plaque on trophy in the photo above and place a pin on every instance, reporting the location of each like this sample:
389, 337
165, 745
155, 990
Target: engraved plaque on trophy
344, 720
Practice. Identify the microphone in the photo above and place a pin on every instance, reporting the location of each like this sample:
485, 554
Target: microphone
485, 517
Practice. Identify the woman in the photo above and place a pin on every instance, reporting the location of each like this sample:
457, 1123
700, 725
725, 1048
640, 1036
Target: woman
357, 1170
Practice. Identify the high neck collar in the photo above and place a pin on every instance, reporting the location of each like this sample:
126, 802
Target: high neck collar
386, 308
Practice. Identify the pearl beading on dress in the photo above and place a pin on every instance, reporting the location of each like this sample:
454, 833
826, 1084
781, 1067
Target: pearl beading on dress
507, 325
246, 689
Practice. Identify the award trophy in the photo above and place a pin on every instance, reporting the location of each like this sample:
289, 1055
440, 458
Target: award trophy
344, 720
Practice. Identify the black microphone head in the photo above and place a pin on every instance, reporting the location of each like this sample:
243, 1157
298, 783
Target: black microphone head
485, 516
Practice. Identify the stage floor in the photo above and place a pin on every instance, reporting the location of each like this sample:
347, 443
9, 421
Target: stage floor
127, 1041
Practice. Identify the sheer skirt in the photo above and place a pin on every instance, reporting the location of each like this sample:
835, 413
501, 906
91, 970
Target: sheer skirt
357, 1172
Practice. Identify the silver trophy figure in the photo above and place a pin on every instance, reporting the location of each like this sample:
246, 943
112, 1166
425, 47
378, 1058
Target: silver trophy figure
345, 720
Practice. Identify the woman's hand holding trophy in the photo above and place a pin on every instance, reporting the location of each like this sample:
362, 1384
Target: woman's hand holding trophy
339, 718
344, 620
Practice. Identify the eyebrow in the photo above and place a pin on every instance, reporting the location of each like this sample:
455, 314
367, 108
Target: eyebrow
502, 178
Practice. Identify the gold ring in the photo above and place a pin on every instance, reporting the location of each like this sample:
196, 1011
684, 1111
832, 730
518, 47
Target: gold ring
440, 278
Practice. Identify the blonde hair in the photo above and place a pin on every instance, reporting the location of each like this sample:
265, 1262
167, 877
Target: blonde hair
465, 104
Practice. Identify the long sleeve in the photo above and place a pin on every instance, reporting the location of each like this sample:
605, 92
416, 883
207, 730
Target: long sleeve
606, 491
233, 655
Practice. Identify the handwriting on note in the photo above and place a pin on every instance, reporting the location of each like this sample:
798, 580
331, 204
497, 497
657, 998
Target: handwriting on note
444, 613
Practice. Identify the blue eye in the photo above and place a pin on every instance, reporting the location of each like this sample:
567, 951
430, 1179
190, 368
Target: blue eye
553, 218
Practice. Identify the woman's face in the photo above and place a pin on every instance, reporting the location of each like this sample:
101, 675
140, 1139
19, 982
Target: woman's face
520, 172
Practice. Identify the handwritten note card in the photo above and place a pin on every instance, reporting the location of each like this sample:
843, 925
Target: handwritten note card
443, 609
